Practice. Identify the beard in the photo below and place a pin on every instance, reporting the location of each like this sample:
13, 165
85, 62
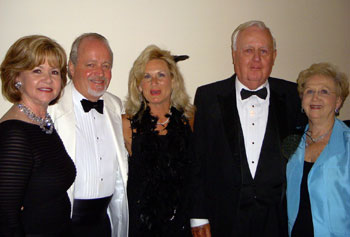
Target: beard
99, 92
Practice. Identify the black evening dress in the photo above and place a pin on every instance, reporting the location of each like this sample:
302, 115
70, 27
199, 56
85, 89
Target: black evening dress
35, 173
159, 183
303, 225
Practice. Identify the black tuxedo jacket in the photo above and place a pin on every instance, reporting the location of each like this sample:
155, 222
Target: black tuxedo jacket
227, 195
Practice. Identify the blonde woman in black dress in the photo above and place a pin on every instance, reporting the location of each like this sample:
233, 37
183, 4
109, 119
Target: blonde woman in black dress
157, 130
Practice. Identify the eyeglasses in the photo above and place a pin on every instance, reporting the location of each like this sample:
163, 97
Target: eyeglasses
320, 93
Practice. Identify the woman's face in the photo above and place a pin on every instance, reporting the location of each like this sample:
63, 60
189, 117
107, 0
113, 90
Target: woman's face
40, 86
319, 99
156, 85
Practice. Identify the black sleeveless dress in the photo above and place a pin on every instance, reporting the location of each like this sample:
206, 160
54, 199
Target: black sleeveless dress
35, 173
159, 177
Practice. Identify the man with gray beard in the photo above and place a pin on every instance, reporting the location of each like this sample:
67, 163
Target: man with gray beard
88, 120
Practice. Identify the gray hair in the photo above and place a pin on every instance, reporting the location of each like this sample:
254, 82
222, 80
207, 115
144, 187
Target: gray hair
73, 56
246, 25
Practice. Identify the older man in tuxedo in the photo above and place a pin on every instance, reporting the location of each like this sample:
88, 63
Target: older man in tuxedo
238, 132
88, 120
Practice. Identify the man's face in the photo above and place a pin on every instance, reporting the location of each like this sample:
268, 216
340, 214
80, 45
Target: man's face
254, 56
92, 73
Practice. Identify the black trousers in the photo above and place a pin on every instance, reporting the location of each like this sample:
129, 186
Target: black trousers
90, 218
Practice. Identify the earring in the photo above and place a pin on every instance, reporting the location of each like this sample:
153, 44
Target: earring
336, 111
18, 85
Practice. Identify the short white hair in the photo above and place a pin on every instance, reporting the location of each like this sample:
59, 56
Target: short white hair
246, 25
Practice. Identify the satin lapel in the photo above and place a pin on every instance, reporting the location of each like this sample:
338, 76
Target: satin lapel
275, 130
65, 126
114, 117
232, 125
63, 116
277, 115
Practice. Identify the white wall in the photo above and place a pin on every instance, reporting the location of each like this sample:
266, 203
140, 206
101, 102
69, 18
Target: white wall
307, 31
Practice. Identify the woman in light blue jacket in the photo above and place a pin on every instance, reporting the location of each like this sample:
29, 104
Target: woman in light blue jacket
318, 173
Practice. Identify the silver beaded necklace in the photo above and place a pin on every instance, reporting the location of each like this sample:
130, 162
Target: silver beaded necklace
317, 139
45, 124
166, 121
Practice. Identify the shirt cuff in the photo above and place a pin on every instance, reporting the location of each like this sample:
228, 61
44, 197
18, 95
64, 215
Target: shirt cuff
198, 222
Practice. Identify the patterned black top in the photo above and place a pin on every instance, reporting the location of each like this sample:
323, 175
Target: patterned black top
159, 183
35, 173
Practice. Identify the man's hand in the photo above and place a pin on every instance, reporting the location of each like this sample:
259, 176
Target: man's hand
201, 231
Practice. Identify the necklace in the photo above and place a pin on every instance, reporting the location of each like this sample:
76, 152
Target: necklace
45, 124
317, 139
163, 123
166, 121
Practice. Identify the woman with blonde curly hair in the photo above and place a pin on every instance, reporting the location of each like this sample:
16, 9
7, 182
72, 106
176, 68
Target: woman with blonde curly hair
157, 130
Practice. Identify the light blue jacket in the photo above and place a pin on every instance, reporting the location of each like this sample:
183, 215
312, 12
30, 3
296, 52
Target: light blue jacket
328, 185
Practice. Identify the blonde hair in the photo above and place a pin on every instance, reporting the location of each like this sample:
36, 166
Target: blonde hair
328, 70
179, 97
27, 53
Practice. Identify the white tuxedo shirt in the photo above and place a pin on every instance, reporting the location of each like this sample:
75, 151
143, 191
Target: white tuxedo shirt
63, 116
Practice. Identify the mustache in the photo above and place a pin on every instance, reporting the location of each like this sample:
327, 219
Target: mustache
97, 78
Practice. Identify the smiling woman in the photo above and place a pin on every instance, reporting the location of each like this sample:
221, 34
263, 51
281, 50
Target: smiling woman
40, 86
35, 169
317, 201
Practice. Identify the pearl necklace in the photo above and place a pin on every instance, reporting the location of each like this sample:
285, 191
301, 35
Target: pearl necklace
45, 124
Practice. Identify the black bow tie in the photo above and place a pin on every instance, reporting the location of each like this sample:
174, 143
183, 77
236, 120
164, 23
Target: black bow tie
88, 105
262, 93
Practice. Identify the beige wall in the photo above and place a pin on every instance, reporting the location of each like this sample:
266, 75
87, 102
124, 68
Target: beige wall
307, 31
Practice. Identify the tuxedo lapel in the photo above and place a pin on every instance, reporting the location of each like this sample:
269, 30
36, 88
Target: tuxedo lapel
275, 128
113, 115
63, 117
230, 118
232, 126
278, 114
118, 207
